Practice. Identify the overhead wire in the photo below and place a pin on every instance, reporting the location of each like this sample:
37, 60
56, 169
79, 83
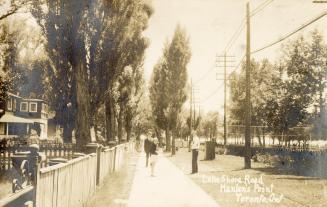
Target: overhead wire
260, 7
221, 85
241, 27
232, 41
213, 93
203, 76
292, 33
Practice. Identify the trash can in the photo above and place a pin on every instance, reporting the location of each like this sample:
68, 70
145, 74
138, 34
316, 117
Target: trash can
56, 161
210, 150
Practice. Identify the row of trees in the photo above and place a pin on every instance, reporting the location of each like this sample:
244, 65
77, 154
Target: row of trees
168, 87
93, 66
287, 94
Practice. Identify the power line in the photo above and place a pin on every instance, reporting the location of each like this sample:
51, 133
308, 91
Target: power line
291, 33
241, 27
260, 7
238, 65
221, 85
203, 76
232, 41
235, 36
213, 93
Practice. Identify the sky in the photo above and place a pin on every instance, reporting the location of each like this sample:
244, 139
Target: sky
211, 23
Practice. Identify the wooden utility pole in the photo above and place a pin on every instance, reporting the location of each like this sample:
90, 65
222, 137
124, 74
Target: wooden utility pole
225, 106
247, 157
191, 101
227, 61
194, 121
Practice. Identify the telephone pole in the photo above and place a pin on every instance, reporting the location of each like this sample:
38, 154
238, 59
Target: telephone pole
192, 112
191, 101
247, 157
226, 64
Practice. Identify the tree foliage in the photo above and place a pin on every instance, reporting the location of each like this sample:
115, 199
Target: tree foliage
168, 84
284, 93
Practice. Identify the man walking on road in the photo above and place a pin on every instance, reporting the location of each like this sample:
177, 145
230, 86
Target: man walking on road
147, 144
195, 152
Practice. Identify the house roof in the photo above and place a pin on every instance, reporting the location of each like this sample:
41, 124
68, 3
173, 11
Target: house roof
24, 99
10, 118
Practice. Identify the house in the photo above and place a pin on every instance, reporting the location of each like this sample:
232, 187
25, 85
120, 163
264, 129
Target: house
21, 115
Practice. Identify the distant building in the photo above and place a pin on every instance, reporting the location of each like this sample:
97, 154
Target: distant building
21, 115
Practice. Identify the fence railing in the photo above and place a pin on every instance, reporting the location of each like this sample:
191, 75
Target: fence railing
67, 184
49, 150
107, 163
73, 183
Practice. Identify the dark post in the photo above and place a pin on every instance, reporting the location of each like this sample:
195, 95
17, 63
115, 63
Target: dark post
247, 157
189, 141
225, 77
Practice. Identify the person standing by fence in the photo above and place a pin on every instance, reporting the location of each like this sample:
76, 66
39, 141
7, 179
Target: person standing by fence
195, 146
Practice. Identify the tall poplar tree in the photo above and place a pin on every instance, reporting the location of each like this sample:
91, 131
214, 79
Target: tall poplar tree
171, 72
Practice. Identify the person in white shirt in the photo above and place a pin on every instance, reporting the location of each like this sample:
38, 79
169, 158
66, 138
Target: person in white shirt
195, 146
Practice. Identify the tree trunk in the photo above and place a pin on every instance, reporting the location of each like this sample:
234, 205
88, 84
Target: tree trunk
82, 116
113, 120
273, 140
173, 147
109, 135
95, 125
120, 123
167, 140
128, 133
67, 133
158, 136
259, 139
128, 124
263, 137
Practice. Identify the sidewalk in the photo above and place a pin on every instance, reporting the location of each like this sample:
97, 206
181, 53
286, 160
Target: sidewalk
116, 188
169, 188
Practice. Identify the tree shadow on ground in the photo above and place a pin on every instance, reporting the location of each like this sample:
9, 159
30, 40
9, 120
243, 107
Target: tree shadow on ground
299, 178
284, 171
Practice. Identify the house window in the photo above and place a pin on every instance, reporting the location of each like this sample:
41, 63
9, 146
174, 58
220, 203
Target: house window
33, 107
23, 106
9, 104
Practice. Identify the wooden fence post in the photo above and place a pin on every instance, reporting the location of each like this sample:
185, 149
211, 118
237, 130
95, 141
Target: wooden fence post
35, 180
115, 152
99, 149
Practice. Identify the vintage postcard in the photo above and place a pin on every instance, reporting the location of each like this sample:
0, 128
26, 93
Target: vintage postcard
163, 103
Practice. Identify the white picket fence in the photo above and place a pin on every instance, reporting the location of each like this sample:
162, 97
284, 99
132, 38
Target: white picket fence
67, 184
113, 159
72, 184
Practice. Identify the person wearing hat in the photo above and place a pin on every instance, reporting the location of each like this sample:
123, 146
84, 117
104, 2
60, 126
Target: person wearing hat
195, 146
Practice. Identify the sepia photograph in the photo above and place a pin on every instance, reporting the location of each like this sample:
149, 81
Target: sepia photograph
163, 103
